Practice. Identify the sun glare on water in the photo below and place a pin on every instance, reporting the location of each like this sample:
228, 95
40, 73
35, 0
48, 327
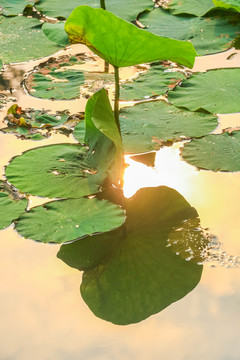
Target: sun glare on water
169, 170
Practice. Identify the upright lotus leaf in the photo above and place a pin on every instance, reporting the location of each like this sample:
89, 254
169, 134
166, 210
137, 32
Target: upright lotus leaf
14, 7
216, 91
59, 85
55, 32
147, 126
228, 4
214, 152
207, 34
66, 220
70, 170
121, 43
135, 275
18, 34
193, 7
11, 205
156, 81
126, 9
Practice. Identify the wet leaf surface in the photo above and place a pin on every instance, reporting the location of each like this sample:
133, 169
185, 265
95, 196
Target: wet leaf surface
156, 81
66, 220
216, 91
193, 7
130, 274
18, 34
149, 125
214, 152
95, 28
207, 34
11, 205
126, 9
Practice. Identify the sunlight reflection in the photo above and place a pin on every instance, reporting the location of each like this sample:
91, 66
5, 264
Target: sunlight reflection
169, 170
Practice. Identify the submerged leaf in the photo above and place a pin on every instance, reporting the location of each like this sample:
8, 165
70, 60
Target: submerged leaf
130, 274
214, 152
148, 125
66, 220
18, 34
216, 91
121, 43
207, 34
11, 205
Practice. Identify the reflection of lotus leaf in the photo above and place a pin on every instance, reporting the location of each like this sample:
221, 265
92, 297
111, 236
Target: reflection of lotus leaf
126, 9
11, 206
214, 152
66, 220
209, 91
207, 34
130, 274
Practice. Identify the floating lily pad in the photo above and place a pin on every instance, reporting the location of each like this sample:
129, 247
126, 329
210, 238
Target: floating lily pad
70, 170
11, 205
126, 9
228, 4
193, 7
117, 41
66, 220
130, 274
156, 81
214, 152
18, 34
25, 133
207, 34
148, 125
216, 91
14, 7
57, 85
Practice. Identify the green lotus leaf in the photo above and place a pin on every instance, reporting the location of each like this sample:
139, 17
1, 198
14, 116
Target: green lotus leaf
193, 7
18, 34
121, 43
156, 81
216, 91
66, 220
126, 9
59, 85
130, 274
228, 4
14, 7
11, 205
147, 126
70, 170
55, 32
214, 152
207, 34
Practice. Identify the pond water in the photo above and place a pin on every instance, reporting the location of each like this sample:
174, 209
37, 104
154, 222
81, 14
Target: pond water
42, 313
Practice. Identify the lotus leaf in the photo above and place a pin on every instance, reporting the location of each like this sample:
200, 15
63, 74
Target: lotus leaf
57, 84
156, 81
18, 34
216, 91
214, 152
66, 220
11, 205
126, 9
193, 7
25, 133
130, 274
228, 4
207, 34
148, 125
121, 43
56, 33
14, 7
